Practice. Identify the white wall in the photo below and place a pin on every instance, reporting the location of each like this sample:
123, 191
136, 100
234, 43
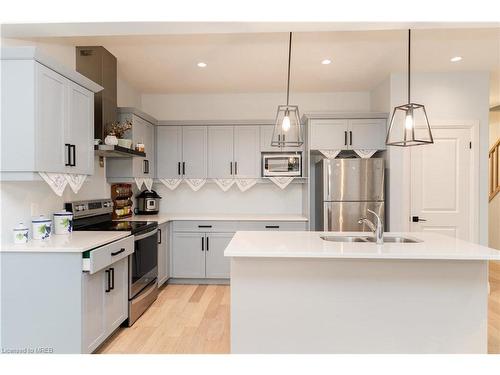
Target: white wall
461, 96
19, 201
247, 106
127, 96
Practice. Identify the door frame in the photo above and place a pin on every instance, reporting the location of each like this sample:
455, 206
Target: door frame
474, 199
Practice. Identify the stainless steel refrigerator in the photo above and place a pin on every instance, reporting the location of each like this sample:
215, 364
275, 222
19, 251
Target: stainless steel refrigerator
345, 189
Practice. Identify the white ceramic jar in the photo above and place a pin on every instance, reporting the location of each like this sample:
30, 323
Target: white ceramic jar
63, 222
41, 228
21, 233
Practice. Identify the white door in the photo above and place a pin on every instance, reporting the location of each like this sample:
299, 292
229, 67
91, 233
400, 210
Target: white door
80, 129
51, 102
367, 134
329, 134
188, 258
116, 295
246, 151
194, 151
441, 184
220, 151
168, 151
217, 266
94, 329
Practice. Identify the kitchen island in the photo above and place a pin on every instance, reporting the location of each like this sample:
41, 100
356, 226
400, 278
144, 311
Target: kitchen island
294, 292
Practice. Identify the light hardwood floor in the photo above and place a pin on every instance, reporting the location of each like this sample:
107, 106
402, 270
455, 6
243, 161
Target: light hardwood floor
194, 319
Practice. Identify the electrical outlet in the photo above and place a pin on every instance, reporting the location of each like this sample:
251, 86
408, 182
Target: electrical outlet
35, 209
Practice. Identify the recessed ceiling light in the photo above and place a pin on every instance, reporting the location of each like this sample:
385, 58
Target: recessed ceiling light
326, 61
201, 65
456, 59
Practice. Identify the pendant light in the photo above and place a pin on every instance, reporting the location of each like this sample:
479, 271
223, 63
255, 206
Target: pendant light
402, 129
287, 130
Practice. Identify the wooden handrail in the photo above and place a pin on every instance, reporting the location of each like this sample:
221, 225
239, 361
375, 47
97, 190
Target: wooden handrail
494, 170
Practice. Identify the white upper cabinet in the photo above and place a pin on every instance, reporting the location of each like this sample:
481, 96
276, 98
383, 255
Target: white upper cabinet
266, 135
79, 134
348, 134
143, 131
169, 151
47, 121
246, 152
329, 134
220, 151
194, 151
47, 117
233, 151
367, 134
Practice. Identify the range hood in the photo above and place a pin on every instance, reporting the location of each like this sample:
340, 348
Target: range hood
99, 65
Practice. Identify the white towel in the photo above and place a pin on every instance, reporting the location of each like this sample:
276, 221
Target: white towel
365, 154
330, 154
148, 182
246, 183
224, 183
75, 181
282, 182
56, 181
171, 183
139, 181
195, 183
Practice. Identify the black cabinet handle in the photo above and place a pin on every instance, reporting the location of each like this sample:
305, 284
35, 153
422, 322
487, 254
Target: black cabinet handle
235, 167
279, 138
68, 154
179, 168
350, 138
231, 167
72, 160
272, 226
208, 247
416, 219
202, 243
108, 280
112, 273
183, 168
204, 226
284, 138
345, 137
159, 232
118, 252
145, 166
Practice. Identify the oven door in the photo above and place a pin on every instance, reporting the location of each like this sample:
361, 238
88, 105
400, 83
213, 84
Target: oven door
143, 263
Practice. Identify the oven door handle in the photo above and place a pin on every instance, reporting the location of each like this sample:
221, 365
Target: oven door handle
145, 235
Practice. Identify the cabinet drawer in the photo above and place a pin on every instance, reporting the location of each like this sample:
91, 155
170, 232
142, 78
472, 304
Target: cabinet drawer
204, 226
108, 254
272, 225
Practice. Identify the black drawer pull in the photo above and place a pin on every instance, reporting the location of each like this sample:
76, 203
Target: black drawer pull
202, 243
272, 226
159, 240
112, 273
204, 226
118, 252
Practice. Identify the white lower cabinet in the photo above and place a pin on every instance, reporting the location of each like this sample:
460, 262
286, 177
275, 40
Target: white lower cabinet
105, 303
188, 259
198, 246
163, 254
216, 265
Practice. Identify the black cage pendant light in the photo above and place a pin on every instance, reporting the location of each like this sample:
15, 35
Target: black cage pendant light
287, 130
402, 129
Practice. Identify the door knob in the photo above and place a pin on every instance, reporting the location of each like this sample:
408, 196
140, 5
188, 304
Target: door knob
417, 219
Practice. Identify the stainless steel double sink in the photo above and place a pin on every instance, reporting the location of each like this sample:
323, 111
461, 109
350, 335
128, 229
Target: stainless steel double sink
387, 239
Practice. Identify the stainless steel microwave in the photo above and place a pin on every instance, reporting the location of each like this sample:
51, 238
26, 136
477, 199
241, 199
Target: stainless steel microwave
281, 164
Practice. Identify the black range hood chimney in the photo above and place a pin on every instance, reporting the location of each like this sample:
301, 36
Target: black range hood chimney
99, 65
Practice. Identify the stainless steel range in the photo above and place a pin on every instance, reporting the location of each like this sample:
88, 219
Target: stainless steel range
96, 215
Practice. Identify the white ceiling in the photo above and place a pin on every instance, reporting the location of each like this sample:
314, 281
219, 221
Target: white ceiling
256, 62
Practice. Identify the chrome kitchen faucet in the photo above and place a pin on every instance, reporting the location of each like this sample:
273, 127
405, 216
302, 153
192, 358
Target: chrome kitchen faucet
378, 231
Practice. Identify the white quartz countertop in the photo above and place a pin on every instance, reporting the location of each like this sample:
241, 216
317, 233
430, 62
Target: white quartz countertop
76, 242
310, 245
163, 218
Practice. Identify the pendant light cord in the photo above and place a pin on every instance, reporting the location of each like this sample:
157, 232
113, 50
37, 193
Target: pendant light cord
409, 62
289, 62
